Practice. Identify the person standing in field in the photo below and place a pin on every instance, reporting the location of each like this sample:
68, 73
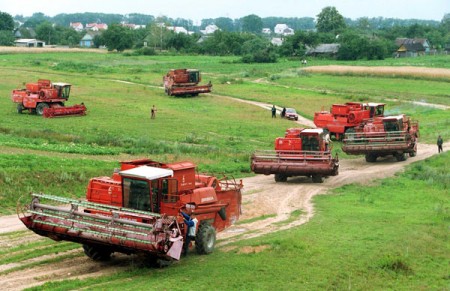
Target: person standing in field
153, 112
274, 112
439, 144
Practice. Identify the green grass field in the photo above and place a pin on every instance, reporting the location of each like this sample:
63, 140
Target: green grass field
393, 235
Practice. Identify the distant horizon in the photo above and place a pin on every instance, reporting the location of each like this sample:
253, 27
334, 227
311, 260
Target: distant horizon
168, 16
235, 9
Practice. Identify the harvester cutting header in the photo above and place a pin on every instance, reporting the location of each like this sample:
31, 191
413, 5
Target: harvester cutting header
47, 99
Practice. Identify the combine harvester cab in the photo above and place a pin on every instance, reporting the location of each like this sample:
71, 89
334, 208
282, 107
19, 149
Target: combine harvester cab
390, 135
302, 152
184, 82
344, 118
138, 210
47, 99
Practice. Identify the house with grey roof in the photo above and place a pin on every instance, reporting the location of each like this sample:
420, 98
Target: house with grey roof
324, 49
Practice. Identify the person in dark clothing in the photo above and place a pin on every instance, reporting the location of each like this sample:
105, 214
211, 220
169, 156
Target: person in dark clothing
283, 113
191, 223
274, 112
153, 112
439, 144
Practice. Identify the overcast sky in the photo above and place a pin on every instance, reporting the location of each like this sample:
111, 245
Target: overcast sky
200, 9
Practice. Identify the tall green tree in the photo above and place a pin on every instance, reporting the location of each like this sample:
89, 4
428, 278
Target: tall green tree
46, 32
225, 23
6, 21
252, 23
329, 20
118, 37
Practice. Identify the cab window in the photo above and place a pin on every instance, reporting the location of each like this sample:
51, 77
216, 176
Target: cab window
169, 190
136, 194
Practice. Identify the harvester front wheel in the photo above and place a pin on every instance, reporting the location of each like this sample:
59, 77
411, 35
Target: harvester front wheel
401, 157
371, 158
20, 108
97, 253
205, 239
280, 178
40, 108
317, 178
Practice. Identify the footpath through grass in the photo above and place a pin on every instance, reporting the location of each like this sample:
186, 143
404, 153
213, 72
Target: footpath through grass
392, 236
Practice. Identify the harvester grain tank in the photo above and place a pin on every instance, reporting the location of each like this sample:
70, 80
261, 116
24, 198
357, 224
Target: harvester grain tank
137, 210
47, 99
383, 136
183, 82
302, 152
344, 117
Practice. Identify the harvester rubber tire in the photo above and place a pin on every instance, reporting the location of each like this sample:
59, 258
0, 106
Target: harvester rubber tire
205, 239
280, 178
20, 108
401, 157
317, 178
97, 253
413, 154
371, 158
155, 262
40, 108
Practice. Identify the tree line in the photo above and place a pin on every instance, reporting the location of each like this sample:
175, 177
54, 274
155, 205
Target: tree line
364, 38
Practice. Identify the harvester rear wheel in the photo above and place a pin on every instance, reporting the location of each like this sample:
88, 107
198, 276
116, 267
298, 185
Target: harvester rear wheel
280, 178
317, 178
205, 239
97, 253
40, 108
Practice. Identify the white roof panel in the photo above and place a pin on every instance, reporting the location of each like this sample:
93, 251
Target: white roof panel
146, 172
312, 130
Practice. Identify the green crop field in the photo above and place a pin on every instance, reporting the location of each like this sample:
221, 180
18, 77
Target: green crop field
391, 235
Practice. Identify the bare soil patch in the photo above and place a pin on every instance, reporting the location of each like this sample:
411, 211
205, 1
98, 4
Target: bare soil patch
37, 50
387, 71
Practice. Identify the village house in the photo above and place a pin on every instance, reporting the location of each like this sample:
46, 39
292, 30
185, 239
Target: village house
88, 39
324, 49
96, 26
210, 29
283, 29
266, 31
412, 47
178, 29
78, 26
25, 42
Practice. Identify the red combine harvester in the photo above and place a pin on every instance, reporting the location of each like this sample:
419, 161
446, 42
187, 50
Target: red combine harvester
47, 99
302, 152
183, 82
344, 117
137, 210
389, 135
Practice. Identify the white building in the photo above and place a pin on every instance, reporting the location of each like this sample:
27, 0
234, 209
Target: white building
283, 29
210, 29
178, 29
